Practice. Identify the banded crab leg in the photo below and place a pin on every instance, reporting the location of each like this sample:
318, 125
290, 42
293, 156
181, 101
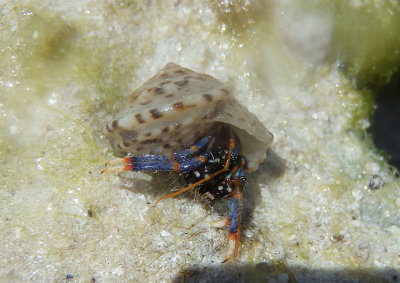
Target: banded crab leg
235, 209
180, 161
155, 163
194, 149
233, 222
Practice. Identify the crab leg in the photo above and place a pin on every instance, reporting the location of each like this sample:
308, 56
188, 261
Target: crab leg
233, 221
195, 148
156, 163
180, 161
235, 206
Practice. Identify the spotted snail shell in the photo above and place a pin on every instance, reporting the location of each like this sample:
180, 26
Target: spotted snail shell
177, 107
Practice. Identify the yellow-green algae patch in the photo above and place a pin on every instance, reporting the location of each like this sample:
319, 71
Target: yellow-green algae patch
50, 143
367, 40
238, 18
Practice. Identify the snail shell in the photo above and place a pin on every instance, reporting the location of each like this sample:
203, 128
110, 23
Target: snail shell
177, 107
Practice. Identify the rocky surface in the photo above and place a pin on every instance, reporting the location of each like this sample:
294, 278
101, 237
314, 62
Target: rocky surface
324, 206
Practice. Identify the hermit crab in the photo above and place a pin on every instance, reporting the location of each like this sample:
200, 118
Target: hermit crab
188, 122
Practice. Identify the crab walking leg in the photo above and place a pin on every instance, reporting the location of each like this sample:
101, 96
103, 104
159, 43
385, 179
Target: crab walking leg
148, 162
139, 163
136, 159
195, 148
179, 156
235, 207
183, 163
156, 163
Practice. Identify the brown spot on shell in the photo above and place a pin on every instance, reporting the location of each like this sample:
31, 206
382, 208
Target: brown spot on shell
139, 118
134, 95
177, 126
181, 83
204, 117
158, 90
165, 130
165, 76
164, 82
126, 144
145, 102
166, 145
155, 113
147, 134
179, 72
110, 127
207, 97
150, 141
178, 105
225, 91
169, 95
139, 148
114, 124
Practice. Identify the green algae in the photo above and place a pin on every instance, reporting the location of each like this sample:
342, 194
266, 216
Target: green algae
367, 41
52, 55
72, 79
238, 18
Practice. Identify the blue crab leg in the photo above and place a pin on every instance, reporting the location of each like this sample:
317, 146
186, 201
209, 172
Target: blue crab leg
156, 163
195, 148
160, 162
233, 221
235, 206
